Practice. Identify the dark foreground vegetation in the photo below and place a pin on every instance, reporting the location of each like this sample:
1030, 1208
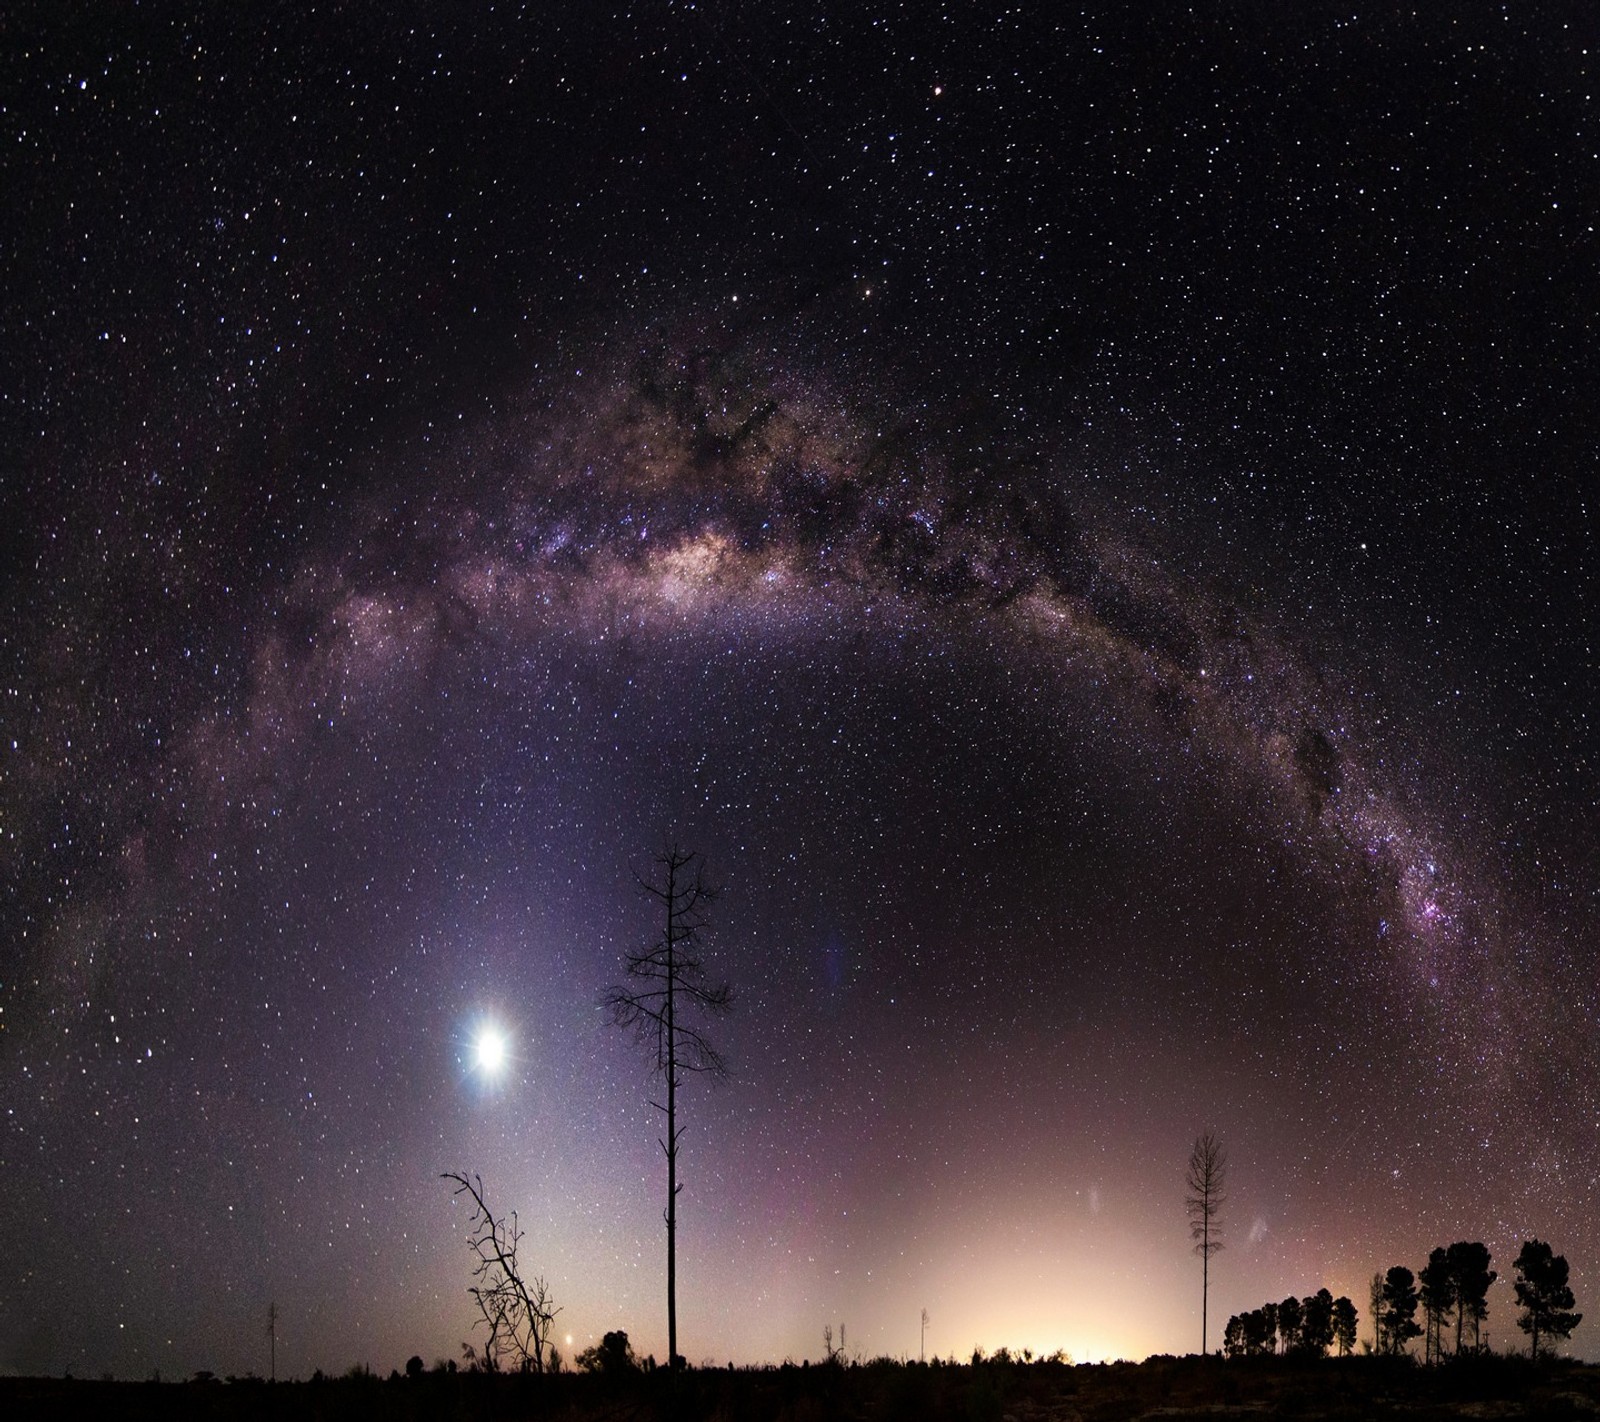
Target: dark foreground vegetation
1172, 1389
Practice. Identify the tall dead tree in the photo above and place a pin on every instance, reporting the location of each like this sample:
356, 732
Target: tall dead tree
1207, 1179
666, 981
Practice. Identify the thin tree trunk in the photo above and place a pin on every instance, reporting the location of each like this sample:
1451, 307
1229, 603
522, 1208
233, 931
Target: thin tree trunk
672, 1135
650, 1008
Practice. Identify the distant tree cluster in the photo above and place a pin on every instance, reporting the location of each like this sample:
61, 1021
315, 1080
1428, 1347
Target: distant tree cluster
1305, 1327
1452, 1293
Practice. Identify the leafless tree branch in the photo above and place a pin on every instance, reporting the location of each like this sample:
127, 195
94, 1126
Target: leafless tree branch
519, 1313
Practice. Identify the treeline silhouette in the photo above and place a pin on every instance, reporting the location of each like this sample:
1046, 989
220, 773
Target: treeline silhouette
1307, 1327
1356, 1389
1451, 1291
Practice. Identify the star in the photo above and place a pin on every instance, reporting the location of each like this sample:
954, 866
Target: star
489, 1051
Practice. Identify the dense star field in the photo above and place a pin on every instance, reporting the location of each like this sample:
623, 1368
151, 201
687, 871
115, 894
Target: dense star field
1083, 515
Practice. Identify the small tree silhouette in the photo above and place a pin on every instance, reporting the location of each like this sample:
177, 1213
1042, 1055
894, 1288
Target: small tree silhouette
1290, 1318
1399, 1296
1380, 1342
1438, 1298
612, 1356
519, 1313
1316, 1323
1470, 1277
1344, 1325
1543, 1293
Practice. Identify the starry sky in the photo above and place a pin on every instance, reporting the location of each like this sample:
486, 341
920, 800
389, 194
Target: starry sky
1082, 514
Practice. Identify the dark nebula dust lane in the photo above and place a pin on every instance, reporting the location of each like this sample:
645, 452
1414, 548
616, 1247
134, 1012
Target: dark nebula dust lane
1083, 523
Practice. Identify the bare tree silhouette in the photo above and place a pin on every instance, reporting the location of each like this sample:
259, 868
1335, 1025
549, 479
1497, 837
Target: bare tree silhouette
518, 1312
1207, 1179
666, 980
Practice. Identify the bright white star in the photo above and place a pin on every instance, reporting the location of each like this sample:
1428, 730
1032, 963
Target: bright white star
489, 1052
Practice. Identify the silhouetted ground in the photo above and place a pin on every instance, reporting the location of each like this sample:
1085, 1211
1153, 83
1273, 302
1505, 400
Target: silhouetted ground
1171, 1389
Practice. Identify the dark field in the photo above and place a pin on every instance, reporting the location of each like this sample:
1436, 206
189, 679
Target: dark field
1168, 1388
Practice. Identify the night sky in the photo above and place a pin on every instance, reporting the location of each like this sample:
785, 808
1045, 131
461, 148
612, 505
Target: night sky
1083, 515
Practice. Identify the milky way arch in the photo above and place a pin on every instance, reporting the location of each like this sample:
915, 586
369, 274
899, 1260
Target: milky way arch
945, 700
716, 479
